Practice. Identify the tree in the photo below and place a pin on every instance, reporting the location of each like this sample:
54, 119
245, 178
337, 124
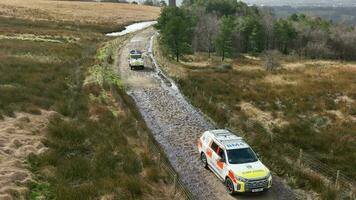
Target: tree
294, 17
284, 35
223, 41
267, 22
256, 39
253, 33
148, 2
176, 29
272, 60
343, 42
162, 3
221, 7
205, 33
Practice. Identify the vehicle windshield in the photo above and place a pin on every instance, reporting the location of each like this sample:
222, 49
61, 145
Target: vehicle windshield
136, 56
241, 156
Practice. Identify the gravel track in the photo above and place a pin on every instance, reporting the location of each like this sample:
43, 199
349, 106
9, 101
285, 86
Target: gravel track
177, 125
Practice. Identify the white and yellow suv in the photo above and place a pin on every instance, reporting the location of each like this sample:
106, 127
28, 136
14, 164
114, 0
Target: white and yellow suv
136, 60
233, 161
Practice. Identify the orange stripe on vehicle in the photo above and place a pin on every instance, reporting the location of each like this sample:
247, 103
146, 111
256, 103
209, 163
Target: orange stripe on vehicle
220, 164
232, 176
199, 143
209, 153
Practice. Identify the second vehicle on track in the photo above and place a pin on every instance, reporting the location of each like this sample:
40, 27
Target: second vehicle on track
136, 60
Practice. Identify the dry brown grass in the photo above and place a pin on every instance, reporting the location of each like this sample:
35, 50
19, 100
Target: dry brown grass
310, 104
20, 136
46, 48
71, 11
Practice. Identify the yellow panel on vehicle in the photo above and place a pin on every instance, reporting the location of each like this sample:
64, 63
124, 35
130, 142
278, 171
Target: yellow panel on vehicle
253, 174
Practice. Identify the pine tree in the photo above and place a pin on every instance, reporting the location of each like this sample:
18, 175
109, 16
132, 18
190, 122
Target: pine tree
223, 41
176, 29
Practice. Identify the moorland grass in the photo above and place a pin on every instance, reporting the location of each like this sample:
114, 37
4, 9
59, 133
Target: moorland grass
88, 155
303, 105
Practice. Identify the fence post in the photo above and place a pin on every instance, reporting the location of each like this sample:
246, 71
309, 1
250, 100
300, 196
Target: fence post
300, 156
175, 183
337, 179
210, 99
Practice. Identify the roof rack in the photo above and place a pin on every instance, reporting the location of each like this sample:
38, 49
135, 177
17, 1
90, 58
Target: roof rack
224, 135
234, 132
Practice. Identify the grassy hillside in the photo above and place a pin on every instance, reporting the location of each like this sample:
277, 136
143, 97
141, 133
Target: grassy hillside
308, 104
108, 14
93, 144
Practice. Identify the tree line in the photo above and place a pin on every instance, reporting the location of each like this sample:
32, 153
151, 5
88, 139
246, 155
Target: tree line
158, 3
229, 28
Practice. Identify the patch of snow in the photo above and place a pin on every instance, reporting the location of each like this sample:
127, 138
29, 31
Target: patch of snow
132, 28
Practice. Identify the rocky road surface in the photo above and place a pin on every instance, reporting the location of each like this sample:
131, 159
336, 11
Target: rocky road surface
177, 125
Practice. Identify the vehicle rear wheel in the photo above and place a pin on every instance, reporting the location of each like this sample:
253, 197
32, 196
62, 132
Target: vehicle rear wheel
229, 186
204, 161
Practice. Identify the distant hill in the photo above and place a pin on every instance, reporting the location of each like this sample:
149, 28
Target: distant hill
298, 3
345, 15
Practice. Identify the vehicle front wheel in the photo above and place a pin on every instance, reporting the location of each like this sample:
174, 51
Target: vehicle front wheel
204, 161
229, 186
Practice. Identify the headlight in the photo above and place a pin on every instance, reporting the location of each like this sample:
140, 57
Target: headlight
241, 179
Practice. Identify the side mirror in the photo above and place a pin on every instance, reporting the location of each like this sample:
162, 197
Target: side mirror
258, 155
222, 160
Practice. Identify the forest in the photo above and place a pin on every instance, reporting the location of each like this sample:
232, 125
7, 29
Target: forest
230, 28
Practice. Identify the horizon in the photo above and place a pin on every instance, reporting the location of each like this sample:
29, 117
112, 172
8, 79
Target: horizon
296, 3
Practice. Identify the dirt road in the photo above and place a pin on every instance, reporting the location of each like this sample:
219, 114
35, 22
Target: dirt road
176, 125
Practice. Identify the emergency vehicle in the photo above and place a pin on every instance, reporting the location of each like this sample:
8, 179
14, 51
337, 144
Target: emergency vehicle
136, 59
234, 162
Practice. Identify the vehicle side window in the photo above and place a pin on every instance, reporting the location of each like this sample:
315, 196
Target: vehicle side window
222, 153
214, 147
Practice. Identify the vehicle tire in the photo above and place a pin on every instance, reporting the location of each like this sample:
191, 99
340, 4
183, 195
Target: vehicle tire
131, 68
229, 186
204, 160
142, 67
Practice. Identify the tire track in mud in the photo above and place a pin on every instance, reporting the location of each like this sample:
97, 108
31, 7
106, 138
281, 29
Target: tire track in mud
174, 123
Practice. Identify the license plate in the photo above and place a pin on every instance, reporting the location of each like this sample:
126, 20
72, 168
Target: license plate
257, 190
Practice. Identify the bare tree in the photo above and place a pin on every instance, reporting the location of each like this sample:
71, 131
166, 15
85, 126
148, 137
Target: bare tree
317, 46
267, 22
272, 60
343, 41
205, 33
